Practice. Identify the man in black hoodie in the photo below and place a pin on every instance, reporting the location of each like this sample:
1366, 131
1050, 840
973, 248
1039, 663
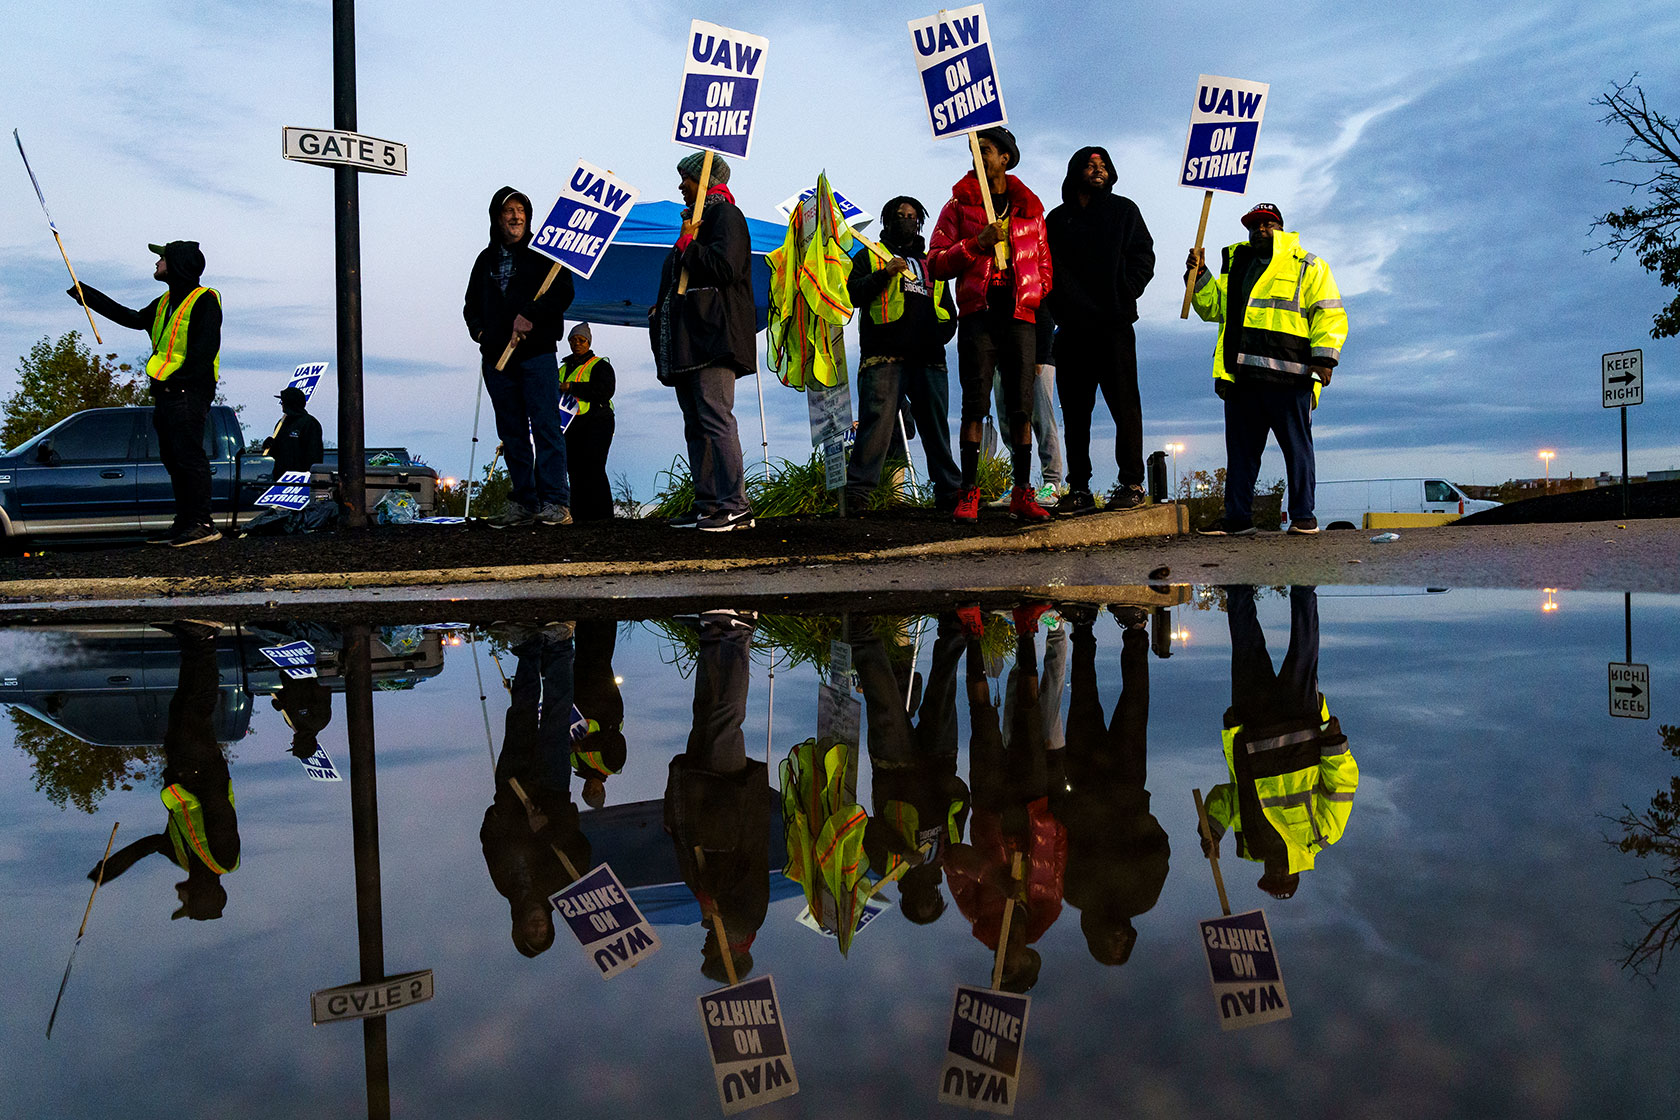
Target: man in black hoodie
1104, 259
296, 443
185, 325
502, 304
907, 318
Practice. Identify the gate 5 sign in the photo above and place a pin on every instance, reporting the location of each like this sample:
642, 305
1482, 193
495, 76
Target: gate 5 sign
1224, 128
959, 74
1630, 690
332, 148
1624, 378
585, 218
720, 89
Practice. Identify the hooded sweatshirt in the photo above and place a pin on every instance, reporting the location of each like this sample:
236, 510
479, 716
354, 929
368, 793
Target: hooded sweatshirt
1104, 255
504, 283
917, 335
185, 264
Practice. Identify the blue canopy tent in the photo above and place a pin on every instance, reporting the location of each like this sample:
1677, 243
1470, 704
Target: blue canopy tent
626, 283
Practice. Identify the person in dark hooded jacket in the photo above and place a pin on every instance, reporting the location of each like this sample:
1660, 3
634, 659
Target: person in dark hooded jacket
502, 304
1104, 258
185, 324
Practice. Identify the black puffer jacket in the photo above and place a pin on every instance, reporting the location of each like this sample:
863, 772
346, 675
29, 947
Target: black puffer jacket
1104, 257
489, 311
712, 323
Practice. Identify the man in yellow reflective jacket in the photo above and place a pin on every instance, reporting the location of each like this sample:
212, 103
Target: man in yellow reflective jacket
1293, 777
1281, 331
185, 324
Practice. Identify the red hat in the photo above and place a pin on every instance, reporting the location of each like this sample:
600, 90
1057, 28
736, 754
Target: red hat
1261, 211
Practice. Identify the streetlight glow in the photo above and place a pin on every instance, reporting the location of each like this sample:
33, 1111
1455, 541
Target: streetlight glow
1173, 449
1548, 456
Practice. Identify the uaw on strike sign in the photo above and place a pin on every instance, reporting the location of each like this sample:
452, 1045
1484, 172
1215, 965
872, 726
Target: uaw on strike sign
1224, 129
721, 76
958, 71
583, 221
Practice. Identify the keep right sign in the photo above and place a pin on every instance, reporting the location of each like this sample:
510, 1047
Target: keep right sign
1630, 690
1624, 378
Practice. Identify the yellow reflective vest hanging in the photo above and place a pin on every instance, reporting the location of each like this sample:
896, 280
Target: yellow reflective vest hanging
1308, 805
825, 837
1294, 317
186, 827
809, 302
578, 376
169, 337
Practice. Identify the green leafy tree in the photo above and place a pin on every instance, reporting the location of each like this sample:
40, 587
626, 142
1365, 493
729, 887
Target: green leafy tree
73, 773
56, 379
1651, 155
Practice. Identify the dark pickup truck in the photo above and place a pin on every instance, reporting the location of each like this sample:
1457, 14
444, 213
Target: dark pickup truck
96, 475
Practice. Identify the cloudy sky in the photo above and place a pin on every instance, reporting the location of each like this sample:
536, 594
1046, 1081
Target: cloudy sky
1447, 162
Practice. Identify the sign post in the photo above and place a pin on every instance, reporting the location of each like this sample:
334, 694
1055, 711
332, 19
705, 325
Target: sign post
1219, 149
1624, 387
959, 80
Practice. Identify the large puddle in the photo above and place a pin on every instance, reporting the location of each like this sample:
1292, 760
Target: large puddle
1428, 797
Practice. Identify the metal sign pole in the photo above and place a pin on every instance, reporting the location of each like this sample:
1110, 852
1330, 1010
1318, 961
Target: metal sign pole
352, 456
1624, 473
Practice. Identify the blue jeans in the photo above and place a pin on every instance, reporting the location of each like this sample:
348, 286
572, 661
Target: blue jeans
882, 389
707, 399
526, 400
1251, 412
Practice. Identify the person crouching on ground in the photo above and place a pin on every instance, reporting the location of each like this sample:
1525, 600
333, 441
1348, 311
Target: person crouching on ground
502, 304
995, 310
588, 379
704, 337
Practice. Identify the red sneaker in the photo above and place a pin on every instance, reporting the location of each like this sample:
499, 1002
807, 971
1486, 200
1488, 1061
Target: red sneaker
968, 505
973, 624
1026, 617
1023, 505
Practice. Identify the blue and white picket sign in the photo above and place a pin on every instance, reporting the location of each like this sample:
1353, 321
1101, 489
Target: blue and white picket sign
291, 491
872, 909
579, 726
721, 76
958, 71
438, 521
584, 219
568, 410
296, 658
982, 1068
320, 767
854, 215
749, 1045
601, 915
306, 377
1224, 129
1243, 965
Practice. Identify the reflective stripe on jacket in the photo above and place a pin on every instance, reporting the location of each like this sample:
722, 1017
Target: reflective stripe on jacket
579, 376
890, 306
186, 826
169, 337
1294, 318
1308, 805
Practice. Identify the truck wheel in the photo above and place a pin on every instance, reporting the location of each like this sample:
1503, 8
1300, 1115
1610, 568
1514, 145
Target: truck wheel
1340, 525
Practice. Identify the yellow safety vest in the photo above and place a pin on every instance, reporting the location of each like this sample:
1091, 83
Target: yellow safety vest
169, 337
890, 306
579, 376
1294, 317
592, 760
186, 826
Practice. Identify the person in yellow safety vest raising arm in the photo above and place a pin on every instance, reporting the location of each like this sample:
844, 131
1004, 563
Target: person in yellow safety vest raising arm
185, 324
1293, 777
907, 318
588, 379
1281, 332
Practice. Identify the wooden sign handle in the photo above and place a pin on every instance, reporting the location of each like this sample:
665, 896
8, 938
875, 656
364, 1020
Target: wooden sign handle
1008, 917
1213, 849
717, 923
531, 811
1190, 280
513, 343
79, 296
699, 205
1001, 248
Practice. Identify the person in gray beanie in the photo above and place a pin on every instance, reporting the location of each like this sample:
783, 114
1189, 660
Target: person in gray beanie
587, 383
702, 329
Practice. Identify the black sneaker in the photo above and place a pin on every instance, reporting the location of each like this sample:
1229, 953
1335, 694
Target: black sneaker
1125, 497
720, 521
687, 520
516, 515
196, 534
1075, 502
1129, 617
1304, 526
1220, 528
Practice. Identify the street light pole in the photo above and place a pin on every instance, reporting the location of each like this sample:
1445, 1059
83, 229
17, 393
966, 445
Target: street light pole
1547, 457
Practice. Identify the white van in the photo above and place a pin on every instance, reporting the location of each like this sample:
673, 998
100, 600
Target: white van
1343, 505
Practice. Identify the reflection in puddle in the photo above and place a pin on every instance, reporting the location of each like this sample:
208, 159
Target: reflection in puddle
907, 822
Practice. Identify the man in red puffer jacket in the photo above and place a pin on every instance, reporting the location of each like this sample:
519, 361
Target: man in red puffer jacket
996, 310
